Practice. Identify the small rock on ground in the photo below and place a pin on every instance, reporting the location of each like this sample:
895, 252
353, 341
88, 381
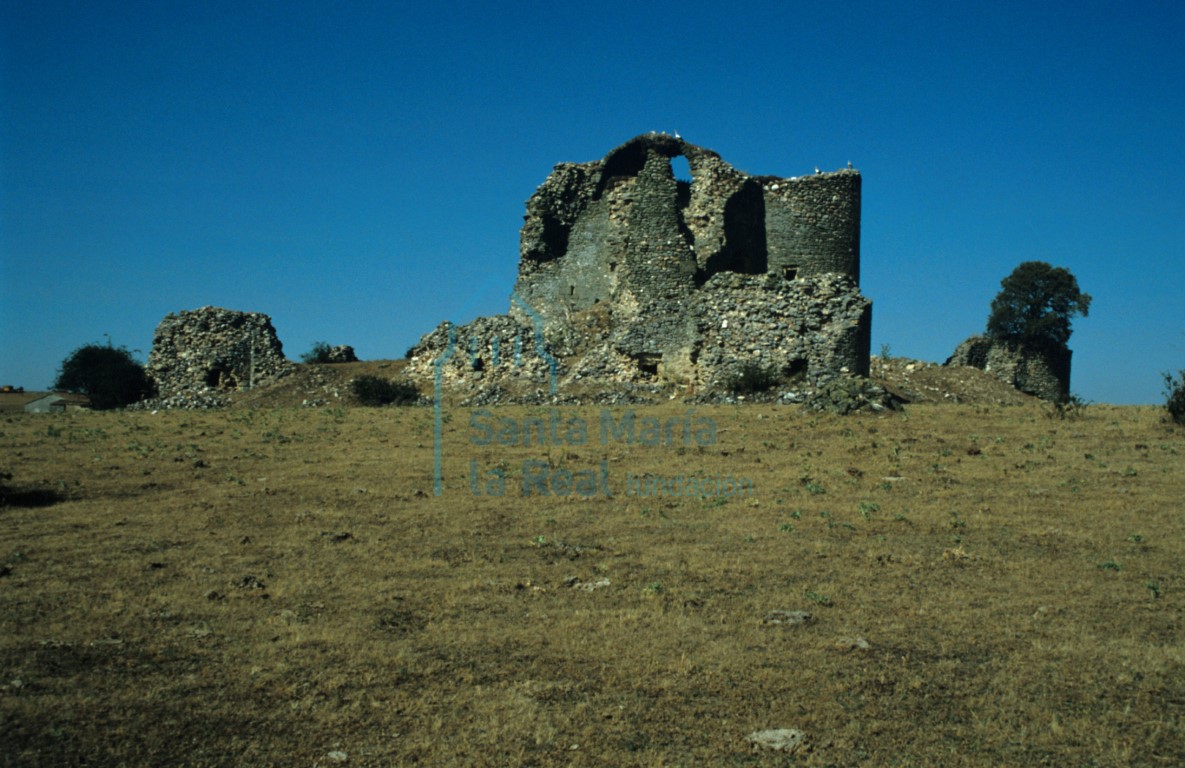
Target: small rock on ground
779, 739
788, 618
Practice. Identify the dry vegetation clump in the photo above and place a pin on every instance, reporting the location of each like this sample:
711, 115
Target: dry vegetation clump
985, 586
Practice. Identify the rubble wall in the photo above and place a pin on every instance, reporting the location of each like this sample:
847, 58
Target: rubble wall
214, 350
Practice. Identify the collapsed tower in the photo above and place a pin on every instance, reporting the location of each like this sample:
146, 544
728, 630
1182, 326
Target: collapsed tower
632, 274
214, 350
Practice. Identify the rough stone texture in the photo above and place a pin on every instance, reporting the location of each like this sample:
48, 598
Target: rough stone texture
342, 353
628, 275
777, 739
848, 393
204, 353
1044, 373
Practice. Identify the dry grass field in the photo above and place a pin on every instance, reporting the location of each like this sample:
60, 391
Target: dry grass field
987, 586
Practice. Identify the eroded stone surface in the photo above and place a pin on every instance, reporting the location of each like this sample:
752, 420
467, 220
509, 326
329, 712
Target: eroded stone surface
203, 353
1043, 373
628, 275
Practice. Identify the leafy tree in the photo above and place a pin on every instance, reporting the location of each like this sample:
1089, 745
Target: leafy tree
1035, 305
108, 375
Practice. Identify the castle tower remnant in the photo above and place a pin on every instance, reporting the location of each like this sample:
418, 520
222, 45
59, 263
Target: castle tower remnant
635, 275
624, 230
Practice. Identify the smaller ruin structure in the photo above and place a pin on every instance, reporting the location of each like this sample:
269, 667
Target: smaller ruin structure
214, 350
1043, 373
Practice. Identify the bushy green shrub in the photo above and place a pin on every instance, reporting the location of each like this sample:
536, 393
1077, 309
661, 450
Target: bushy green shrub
752, 377
1175, 396
320, 353
108, 375
377, 391
1070, 407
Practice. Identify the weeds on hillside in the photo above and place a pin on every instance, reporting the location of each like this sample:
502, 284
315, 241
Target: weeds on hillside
1071, 408
1174, 390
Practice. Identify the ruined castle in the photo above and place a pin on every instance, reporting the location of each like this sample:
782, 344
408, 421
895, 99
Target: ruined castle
629, 274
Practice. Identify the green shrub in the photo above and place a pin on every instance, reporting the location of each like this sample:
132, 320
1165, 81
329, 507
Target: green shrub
377, 391
1071, 407
108, 375
1175, 396
320, 353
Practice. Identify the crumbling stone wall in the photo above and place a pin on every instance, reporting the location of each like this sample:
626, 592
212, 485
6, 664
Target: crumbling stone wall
816, 331
623, 229
629, 274
1044, 373
214, 350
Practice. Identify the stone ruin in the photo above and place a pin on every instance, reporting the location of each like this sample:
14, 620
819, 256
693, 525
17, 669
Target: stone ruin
203, 354
629, 276
342, 353
1044, 373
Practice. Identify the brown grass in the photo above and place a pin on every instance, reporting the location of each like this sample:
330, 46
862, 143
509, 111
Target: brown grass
268, 587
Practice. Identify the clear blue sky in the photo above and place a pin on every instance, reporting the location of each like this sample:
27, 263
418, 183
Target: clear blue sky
358, 170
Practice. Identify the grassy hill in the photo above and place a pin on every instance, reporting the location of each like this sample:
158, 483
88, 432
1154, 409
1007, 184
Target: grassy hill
987, 585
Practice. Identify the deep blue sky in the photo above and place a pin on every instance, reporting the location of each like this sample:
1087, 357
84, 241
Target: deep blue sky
358, 170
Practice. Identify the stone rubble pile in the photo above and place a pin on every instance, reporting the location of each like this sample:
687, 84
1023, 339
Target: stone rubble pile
342, 353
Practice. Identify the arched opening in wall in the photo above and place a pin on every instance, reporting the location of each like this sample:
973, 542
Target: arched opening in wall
554, 239
794, 370
681, 168
648, 364
626, 162
219, 377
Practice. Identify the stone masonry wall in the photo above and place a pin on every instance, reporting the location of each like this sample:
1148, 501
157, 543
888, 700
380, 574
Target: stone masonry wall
628, 274
815, 331
813, 224
623, 229
214, 350
1042, 373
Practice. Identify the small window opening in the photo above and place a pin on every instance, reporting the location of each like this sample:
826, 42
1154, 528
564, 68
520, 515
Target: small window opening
790, 273
613, 266
648, 364
571, 290
220, 378
681, 169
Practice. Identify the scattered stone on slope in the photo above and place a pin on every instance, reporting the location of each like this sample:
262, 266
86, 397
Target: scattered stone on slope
787, 618
777, 739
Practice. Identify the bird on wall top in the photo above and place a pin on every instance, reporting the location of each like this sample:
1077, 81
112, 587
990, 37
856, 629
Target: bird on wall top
817, 169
